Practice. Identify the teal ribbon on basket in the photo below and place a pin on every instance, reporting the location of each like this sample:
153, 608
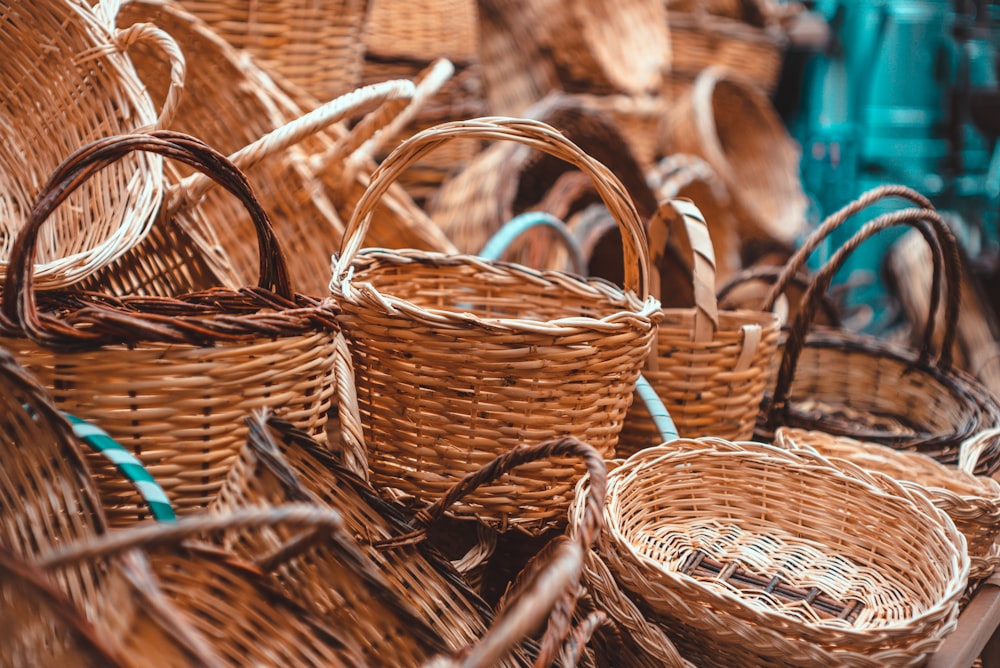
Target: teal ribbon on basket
129, 466
497, 245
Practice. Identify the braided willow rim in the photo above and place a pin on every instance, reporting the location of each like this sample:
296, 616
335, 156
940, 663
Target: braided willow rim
170, 378
458, 359
870, 390
972, 502
711, 367
793, 519
67, 81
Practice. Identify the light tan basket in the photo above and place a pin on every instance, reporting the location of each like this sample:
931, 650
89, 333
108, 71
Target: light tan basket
458, 359
971, 501
782, 558
733, 126
169, 378
711, 367
68, 81
235, 107
315, 45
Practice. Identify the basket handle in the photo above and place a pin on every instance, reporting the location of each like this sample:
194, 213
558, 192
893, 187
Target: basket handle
586, 532
170, 534
934, 230
681, 215
500, 242
360, 100
975, 447
19, 308
147, 32
535, 134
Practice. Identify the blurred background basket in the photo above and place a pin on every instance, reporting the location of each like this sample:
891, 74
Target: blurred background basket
315, 45
67, 82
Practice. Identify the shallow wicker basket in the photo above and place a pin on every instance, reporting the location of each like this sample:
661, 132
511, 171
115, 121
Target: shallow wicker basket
783, 558
458, 358
66, 82
709, 367
971, 501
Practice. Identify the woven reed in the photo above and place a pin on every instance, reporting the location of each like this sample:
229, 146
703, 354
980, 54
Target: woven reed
169, 378
699, 40
281, 464
422, 30
851, 385
795, 518
67, 81
731, 124
689, 177
711, 367
481, 356
42, 627
48, 499
508, 179
234, 107
972, 502
315, 45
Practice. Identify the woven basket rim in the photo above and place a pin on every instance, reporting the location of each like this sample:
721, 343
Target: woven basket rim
357, 292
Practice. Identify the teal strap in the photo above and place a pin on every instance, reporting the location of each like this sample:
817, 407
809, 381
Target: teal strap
661, 417
127, 464
521, 223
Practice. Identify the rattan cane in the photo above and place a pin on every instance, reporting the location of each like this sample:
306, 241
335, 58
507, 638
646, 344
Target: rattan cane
170, 378
458, 359
66, 82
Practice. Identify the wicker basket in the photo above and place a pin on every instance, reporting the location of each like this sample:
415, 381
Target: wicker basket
458, 359
315, 45
783, 559
235, 107
711, 368
169, 378
851, 385
971, 501
67, 82
48, 499
731, 124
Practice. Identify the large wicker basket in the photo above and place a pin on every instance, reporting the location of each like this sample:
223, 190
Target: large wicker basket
66, 82
783, 558
169, 378
459, 359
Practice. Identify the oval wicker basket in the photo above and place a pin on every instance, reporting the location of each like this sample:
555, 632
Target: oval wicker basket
781, 558
732, 125
971, 501
458, 359
67, 82
711, 367
852, 385
169, 378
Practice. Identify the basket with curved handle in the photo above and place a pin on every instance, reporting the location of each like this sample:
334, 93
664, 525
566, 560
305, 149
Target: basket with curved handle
710, 367
874, 391
168, 378
504, 349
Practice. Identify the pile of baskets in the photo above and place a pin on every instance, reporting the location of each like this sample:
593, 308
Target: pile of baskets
266, 401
